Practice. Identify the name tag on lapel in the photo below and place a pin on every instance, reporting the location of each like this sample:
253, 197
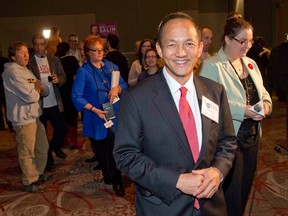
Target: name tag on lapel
210, 109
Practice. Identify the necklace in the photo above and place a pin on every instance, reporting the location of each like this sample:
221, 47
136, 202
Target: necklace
245, 85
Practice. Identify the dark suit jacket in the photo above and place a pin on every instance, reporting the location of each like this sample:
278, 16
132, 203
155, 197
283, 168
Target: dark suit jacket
152, 149
55, 67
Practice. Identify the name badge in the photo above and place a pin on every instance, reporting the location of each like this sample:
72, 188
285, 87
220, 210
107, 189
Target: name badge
116, 99
108, 124
210, 109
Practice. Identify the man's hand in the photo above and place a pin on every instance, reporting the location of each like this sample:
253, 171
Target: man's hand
209, 186
55, 78
189, 183
39, 86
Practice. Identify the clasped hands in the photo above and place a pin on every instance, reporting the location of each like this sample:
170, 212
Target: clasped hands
201, 183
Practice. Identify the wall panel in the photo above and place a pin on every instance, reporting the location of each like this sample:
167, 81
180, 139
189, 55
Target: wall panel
23, 28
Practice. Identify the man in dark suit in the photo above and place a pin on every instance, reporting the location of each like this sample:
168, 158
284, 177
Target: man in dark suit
49, 70
152, 147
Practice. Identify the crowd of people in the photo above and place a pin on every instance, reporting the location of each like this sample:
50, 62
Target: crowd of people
180, 122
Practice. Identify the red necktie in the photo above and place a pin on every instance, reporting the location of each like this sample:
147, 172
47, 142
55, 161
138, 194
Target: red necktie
189, 125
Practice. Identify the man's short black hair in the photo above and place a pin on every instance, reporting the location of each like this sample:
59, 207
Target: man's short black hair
113, 39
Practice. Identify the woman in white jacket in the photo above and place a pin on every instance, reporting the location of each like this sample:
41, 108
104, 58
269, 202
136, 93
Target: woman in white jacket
242, 80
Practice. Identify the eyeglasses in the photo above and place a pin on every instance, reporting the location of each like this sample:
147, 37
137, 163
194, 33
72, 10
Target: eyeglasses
153, 57
99, 51
243, 43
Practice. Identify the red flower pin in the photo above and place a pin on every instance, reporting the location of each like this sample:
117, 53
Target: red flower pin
250, 66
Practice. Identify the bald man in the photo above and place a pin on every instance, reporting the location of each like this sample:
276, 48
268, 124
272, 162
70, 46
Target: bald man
206, 37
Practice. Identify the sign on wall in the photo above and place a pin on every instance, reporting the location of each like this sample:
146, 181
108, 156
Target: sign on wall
103, 29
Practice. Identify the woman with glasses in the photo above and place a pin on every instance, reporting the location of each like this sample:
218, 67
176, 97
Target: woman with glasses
139, 64
92, 89
151, 59
242, 80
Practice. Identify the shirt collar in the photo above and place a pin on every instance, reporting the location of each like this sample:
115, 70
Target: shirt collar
175, 86
40, 55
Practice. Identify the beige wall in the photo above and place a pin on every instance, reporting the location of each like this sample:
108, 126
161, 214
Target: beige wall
23, 28
281, 22
215, 21
136, 19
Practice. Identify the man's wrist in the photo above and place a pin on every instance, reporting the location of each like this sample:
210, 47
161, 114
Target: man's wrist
219, 172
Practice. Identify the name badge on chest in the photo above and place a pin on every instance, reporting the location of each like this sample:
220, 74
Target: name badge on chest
210, 109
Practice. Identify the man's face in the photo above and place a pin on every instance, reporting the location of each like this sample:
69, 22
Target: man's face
21, 56
80, 47
40, 46
73, 42
180, 48
207, 36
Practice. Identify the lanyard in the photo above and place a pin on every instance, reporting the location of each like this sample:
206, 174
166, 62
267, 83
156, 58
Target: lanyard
104, 81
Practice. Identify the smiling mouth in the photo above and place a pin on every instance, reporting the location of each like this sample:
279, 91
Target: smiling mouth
181, 61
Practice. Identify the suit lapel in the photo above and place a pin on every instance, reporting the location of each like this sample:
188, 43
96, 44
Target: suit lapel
228, 68
34, 67
165, 103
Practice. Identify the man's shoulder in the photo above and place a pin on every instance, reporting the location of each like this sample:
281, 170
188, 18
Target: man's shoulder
52, 58
208, 83
149, 84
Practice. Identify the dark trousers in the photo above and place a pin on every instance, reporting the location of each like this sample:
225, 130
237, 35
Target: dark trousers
58, 122
104, 153
71, 114
238, 182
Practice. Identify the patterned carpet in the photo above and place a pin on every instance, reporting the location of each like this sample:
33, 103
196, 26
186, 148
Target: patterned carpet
269, 195
76, 189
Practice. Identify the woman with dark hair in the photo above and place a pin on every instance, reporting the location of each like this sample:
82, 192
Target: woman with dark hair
242, 80
70, 66
139, 64
151, 60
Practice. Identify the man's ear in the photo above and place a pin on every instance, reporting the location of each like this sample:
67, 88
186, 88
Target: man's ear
159, 49
200, 49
